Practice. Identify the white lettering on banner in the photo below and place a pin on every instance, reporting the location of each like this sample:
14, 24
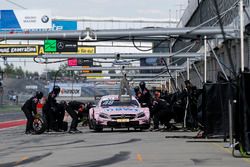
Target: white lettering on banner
20, 50
68, 91
4, 50
56, 28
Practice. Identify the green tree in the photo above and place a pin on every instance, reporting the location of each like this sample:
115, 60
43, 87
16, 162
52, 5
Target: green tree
19, 71
9, 69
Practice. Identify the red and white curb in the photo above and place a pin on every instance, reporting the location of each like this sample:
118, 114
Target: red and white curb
12, 124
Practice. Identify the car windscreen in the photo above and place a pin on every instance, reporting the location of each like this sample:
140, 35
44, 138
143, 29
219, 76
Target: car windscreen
110, 102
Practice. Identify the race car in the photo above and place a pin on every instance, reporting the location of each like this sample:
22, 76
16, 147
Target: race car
114, 111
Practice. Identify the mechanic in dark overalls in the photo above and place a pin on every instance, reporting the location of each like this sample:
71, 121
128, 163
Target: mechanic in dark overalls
190, 93
145, 94
160, 111
29, 107
75, 109
50, 108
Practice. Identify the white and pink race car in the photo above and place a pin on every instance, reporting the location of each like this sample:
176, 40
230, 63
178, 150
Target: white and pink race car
114, 112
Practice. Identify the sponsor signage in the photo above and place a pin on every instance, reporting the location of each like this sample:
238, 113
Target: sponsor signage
36, 50
87, 50
72, 62
69, 91
49, 45
122, 109
66, 46
25, 19
80, 50
59, 46
58, 25
85, 62
33, 87
19, 50
80, 61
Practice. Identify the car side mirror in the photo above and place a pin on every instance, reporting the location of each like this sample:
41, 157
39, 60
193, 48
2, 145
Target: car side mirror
144, 105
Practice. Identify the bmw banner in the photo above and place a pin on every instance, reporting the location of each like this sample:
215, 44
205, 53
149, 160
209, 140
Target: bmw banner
25, 20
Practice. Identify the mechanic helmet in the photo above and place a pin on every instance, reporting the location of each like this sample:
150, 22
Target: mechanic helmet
39, 94
56, 89
136, 89
187, 83
142, 85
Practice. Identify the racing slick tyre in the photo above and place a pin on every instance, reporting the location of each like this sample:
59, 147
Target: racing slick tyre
90, 124
39, 125
98, 129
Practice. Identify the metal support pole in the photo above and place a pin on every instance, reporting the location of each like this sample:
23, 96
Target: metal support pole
155, 33
185, 115
169, 85
230, 123
188, 69
72, 84
123, 55
182, 76
198, 73
176, 79
242, 35
218, 61
205, 59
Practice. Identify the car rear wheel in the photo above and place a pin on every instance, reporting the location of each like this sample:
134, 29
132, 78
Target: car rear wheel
98, 129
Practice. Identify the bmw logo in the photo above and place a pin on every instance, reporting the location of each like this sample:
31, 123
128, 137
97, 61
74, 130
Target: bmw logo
45, 19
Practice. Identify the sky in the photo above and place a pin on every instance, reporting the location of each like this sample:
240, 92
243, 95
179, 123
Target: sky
150, 9
158, 9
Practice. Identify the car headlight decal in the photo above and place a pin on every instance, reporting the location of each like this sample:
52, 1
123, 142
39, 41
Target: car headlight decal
103, 115
141, 114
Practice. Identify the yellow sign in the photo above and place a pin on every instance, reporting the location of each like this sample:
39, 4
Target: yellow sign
86, 50
18, 50
85, 71
35, 50
80, 50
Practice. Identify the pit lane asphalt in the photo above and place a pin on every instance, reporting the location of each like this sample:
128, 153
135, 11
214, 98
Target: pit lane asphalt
116, 149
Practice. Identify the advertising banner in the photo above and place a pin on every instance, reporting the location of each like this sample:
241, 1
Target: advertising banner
82, 61
69, 91
60, 46
25, 20
51, 45
18, 50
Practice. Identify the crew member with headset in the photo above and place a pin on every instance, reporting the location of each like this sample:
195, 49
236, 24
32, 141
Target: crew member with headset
50, 107
29, 107
75, 109
145, 94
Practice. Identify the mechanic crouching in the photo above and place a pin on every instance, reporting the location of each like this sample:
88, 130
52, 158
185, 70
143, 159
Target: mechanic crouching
160, 111
75, 109
31, 106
